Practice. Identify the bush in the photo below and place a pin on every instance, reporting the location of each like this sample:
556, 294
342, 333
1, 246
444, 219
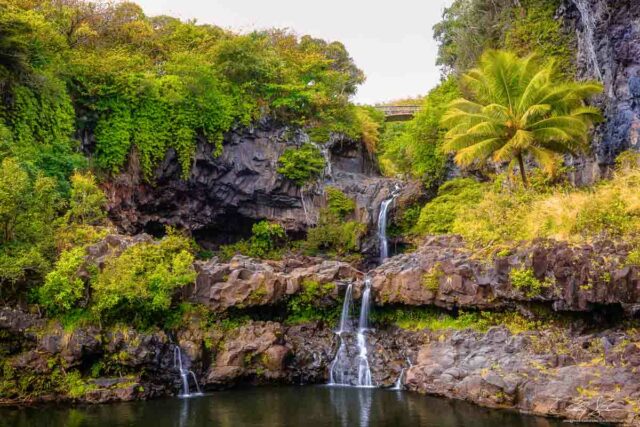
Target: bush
301, 165
265, 242
525, 280
454, 196
139, 285
334, 236
306, 306
63, 288
88, 202
338, 203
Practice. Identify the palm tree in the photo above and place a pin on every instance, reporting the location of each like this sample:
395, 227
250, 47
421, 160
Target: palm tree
518, 108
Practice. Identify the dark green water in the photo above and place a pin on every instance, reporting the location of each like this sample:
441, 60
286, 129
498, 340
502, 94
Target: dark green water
277, 407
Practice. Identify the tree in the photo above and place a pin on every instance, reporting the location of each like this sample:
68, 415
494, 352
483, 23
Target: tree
518, 108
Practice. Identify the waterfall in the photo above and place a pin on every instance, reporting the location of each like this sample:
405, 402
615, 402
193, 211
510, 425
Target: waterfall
184, 374
589, 35
382, 224
398, 384
364, 373
346, 369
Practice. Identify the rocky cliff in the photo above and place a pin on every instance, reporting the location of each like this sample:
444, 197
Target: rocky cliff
608, 35
224, 196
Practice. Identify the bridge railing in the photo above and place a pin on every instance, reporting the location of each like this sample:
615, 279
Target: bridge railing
398, 110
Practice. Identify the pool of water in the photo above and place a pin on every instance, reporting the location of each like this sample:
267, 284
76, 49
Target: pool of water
277, 407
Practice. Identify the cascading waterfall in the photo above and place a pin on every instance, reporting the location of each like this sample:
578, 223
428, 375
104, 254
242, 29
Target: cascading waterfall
340, 367
346, 368
184, 374
589, 35
364, 372
382, 224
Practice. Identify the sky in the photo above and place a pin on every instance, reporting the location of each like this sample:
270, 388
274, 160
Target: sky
390, 40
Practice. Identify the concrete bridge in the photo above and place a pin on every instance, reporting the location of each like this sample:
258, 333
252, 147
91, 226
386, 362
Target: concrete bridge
396, 113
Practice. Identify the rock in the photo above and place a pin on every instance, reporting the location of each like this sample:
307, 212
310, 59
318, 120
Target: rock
609, 51
580, 278
223, 196
244, 282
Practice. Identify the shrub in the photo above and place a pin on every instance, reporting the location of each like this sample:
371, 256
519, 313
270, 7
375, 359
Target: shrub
63, 288
454, 196
306, 305
301, 165
525, 280
266, 240
431, 279
88, 202
334, 235
138, 286
338, 203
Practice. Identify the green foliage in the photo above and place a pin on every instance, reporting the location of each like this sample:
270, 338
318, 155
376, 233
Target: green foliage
533, 28
525, 280
414, 147
28, 208
518, 108
62, 288
87, 205
338, 203
266, 242
334, 235
419, 318
138, 286
431, 279
469, 27
301, 165
501, 217
307, 305
454, 196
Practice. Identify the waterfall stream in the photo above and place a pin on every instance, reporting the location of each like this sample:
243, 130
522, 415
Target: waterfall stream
349, 368
589, 35
382, 224
185, 373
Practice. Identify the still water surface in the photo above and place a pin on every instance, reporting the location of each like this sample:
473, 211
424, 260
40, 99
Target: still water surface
277, 407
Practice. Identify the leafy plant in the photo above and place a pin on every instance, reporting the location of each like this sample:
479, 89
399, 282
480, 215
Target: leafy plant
301, 165
338, 203
518, 108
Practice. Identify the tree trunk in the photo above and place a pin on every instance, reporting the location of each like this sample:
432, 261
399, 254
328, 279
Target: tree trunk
523, 174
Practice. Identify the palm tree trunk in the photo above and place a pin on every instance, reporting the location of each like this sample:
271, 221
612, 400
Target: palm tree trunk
523, 174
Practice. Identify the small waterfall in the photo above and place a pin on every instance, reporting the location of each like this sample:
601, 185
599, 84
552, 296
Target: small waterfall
328, 169
588, 22
184, 374
382, 224
398, 383
364, 373
346, 369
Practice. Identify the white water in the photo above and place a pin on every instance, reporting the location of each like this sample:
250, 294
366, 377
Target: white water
364, 373
346, 369
184, 374
588, 22
398, 384
382, 224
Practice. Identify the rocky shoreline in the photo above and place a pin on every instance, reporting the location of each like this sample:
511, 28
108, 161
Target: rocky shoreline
582, 366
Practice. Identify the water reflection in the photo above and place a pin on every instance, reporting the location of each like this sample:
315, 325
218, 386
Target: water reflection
277, 407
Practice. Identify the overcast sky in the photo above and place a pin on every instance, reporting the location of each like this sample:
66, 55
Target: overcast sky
391, 40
